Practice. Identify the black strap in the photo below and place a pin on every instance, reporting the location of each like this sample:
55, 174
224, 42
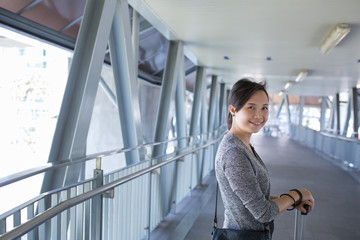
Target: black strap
216, 199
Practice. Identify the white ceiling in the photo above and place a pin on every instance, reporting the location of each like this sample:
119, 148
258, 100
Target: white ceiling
249, 31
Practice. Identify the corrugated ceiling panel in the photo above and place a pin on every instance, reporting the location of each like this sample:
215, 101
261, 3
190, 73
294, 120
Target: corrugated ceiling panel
73, 30
47, 16
14, 5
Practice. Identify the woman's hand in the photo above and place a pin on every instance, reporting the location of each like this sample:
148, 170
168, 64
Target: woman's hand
307, 199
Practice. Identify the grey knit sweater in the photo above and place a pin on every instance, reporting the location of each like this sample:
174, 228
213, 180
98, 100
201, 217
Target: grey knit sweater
244, 185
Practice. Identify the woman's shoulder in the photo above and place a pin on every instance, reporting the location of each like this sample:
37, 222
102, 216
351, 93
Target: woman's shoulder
230, 148
231, 142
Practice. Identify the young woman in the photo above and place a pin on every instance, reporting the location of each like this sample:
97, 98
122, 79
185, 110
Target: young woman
243, 178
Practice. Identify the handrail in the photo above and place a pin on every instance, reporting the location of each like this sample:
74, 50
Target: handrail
64, 163
52, 212
340, 137
332, 135
40, 196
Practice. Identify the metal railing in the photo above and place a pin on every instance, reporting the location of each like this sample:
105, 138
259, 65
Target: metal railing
345, 150
99, 207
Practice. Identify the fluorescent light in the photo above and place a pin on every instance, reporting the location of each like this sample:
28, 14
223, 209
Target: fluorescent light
287, 85
302, 74
336, 35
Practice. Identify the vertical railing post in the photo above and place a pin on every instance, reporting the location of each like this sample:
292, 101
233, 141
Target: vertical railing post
96, 206
148, 227
355, 110
2, 225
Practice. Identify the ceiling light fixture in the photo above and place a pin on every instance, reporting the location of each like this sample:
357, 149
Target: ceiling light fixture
302, 74
287, 85
281, 92
336, 35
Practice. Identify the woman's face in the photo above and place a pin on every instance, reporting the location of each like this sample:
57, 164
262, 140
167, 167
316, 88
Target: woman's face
252, 116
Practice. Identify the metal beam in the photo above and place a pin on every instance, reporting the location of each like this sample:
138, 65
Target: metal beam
221, 104
332, 115
337, 111
301, 110
216, 108
198, 92
162, 122
355, 109
75, 114
180, 101
180, 111
281, 103
212, 103
167, 92
348, 115
288, 112
123, 64
135, 37
323, 113
203, 129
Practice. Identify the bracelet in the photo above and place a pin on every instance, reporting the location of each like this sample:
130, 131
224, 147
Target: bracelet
300, 195
286, 194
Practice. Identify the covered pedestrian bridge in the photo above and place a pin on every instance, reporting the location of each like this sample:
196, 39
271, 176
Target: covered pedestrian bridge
112, 112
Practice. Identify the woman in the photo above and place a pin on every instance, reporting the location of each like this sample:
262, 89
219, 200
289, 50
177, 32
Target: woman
243, 179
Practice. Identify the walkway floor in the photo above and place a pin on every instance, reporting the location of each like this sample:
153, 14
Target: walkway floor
291, 165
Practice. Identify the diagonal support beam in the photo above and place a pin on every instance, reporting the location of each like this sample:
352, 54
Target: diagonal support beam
212, 104
123, 64
167, 93
75, 114
355, 109
198, 92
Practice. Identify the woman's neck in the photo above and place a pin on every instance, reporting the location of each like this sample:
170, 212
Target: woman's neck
245, 138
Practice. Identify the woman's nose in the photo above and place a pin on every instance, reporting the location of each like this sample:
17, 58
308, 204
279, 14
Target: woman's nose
257, 114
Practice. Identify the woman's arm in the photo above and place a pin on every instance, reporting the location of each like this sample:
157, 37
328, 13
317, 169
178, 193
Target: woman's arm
285, 201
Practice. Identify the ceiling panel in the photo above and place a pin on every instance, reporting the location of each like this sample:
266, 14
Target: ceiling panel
249, 32
14, 5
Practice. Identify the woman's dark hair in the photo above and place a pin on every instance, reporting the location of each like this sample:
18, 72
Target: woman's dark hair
240, 93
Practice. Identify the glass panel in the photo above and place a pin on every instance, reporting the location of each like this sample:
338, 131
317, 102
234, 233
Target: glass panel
33, 78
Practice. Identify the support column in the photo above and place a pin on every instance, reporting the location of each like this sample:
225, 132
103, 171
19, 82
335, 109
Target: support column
323, 113
135, 84
75, 114
203, 129
198, 92
200, 84
348, 115
337, 111
212, 119
355, 109
212, 104
180, 110
216, 109
301, 110
281, 103
288, 113
332, 115
221, 104
162, 123
123, 64
180, 101
167, 92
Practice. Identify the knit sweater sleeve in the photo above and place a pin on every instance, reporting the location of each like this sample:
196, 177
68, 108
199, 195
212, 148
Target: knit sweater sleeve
247, 183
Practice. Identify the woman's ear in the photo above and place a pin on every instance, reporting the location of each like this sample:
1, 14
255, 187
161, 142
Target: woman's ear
232, 110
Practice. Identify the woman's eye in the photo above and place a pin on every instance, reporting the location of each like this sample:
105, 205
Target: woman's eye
265, 108
251, 107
